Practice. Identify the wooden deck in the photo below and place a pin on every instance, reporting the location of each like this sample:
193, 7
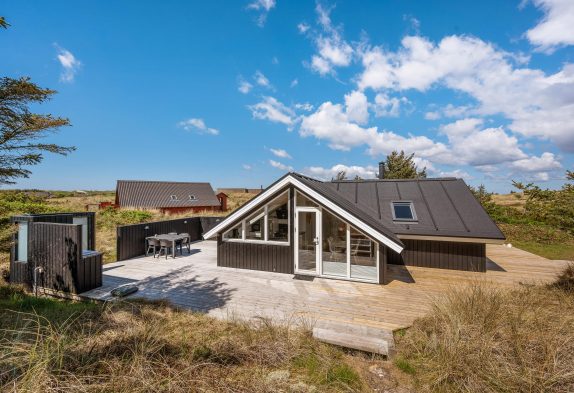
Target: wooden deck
195, 282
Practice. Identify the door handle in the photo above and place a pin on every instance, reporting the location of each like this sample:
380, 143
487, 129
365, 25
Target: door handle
316, 241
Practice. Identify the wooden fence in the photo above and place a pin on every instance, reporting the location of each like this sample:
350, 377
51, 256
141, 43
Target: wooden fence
131, 238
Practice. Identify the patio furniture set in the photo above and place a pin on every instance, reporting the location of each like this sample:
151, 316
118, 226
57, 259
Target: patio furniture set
167, 243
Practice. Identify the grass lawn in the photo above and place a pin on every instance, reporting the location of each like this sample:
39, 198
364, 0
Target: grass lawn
550, 251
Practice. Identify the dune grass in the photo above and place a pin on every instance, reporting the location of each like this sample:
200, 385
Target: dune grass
48, 345
485, 339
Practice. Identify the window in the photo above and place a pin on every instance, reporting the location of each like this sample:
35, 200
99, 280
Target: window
403, 211
278, 219
268, 224
363, 256
192, 197
334, 246
254, 226
235, 232
302, 200
22, 248
173, 197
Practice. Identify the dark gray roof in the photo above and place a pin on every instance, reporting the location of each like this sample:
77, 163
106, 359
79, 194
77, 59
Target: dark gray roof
157, 194
444, 207
330, 193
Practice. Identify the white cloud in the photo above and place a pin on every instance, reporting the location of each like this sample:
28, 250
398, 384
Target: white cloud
278, 165
332, 50
305, 106
294, 82
261, 79
247, 167
244, 86
434, 115
303, 27
546, 162
556, 27
280, 153
197, 125
274, 60
357, 107
70, 65
263, 7
537, 104
367, 172
273, 110
458, 173
386, 106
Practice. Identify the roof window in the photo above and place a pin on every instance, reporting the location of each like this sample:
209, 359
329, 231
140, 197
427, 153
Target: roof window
192, 197
173, 197
403, 211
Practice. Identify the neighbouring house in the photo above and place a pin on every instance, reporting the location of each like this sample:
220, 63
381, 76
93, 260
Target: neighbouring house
352, 229
55, 252
169, 197
240, 190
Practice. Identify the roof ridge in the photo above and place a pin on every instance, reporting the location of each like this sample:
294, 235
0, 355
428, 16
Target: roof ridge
163, 181
395, 180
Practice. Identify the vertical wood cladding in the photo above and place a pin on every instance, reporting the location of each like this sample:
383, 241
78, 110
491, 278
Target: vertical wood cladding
383, 260
253, 256
57, 249
439, 254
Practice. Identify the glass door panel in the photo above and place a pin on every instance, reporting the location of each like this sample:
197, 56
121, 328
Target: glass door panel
363, 256
334, 248
308, 241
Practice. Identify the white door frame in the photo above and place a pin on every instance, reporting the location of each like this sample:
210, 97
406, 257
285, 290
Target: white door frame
318, 235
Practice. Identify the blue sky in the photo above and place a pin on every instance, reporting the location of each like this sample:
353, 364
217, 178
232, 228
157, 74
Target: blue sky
238, 92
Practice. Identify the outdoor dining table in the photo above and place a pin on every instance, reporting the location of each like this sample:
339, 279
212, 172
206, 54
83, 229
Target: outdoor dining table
172, 238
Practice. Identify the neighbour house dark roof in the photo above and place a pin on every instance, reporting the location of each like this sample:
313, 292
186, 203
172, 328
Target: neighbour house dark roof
159, 194
443, 206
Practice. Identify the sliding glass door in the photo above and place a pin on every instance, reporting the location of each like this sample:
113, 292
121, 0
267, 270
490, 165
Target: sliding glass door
307, 243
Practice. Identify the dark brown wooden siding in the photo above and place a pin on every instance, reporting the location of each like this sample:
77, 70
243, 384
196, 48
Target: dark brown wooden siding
57, 249
252, 256
382, 264
439, 254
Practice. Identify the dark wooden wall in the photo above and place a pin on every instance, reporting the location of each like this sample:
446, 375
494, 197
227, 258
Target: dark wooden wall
57, 248
382, 263
131, 238
439, 254
252, 256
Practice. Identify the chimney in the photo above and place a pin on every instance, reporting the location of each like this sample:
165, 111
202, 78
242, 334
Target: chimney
381, 170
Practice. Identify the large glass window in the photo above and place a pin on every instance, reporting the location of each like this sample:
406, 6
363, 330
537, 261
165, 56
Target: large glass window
235, 232
403, 211
363, 256
334, 245
269, 223
278, 219
302, 200
254, 226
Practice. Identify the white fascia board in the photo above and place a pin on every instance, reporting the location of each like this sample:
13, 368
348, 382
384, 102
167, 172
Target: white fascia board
290, 180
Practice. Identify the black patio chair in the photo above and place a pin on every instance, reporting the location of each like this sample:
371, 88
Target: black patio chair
152, 245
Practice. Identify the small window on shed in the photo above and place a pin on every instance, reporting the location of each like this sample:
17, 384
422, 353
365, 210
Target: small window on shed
192, 197
173, 197
404, 211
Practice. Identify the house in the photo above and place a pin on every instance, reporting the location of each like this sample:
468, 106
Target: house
169, 197
352, 229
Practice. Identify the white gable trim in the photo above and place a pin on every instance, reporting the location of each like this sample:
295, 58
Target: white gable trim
290, 180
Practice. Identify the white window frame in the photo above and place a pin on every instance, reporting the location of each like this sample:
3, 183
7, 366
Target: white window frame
404, 203
265, 225
319, 268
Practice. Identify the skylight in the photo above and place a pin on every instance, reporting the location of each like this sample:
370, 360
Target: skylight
404, 211
192, 197
173, 197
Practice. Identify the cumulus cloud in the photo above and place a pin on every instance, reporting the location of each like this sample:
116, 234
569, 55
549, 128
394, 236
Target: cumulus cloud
273, 110
556, 28
537, 104
303, 27
357, 107
261, 79
70, 65
278, 165
305, 106
386, 106
197, 125
294, 82
546, 162
281, 153
364, 172
262, 7
332, 50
